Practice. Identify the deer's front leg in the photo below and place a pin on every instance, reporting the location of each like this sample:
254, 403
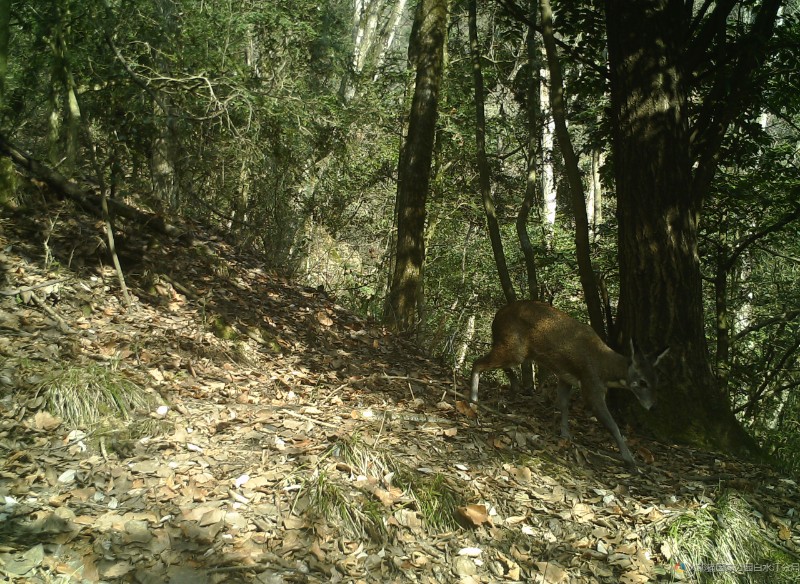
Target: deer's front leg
598, 403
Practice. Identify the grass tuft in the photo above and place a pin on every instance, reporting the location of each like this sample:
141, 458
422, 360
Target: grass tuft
723, 544
432, 497
91, 396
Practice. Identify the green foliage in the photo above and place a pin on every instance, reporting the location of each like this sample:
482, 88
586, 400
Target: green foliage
244, 103
434, 498
758, 187
222, 329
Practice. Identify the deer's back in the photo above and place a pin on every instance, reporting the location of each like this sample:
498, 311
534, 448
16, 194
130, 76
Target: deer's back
551, 338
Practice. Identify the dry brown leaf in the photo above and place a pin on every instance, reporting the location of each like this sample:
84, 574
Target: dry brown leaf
115, 569
501, 442
627, 548
317, 551
521, 474
137, 531
293, 539
475, 515
211, 517
45, 421
229, 419
552, 573
90, 572
643, 556
466, 409
387, 498
645, 455
408, 518
666, 550
294, 522
203, 535
582, 512
464, 567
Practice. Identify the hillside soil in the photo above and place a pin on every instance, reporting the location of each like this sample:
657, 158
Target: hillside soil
263, 433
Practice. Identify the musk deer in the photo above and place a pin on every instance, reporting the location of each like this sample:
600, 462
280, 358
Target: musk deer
528, 330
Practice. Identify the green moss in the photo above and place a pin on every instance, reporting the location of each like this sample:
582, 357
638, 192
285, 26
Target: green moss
223, 330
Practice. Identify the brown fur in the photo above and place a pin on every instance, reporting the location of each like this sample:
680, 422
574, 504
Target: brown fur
527, 330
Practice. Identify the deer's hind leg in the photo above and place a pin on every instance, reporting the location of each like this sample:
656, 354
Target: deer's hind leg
564, 394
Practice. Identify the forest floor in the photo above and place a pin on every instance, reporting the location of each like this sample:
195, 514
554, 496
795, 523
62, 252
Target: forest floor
276, 437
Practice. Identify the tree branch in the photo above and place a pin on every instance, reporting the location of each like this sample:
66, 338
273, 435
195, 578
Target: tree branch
787, 316
708, 30
519, 15
60, 184
728, 97
749, 240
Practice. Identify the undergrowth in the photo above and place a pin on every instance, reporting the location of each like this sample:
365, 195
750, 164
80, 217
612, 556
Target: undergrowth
721, 543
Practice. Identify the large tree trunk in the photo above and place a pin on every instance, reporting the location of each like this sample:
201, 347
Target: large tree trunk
661, 298
426, 51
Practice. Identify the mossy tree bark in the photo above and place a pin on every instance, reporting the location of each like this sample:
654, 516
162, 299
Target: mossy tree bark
663, 160
426, 53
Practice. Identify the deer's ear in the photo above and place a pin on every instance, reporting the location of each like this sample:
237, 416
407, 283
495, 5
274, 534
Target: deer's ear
660, 355
636, 352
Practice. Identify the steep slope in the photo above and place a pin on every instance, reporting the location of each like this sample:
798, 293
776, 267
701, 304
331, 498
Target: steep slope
273, 436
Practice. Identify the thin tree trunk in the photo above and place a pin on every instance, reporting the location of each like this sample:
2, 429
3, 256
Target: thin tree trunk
62, 84
5, 33
722, 357
469, 334
534, 155
595, 208
57, 85
109, 227
73, 122
165, 147
582, 250
547, 129
483, 164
